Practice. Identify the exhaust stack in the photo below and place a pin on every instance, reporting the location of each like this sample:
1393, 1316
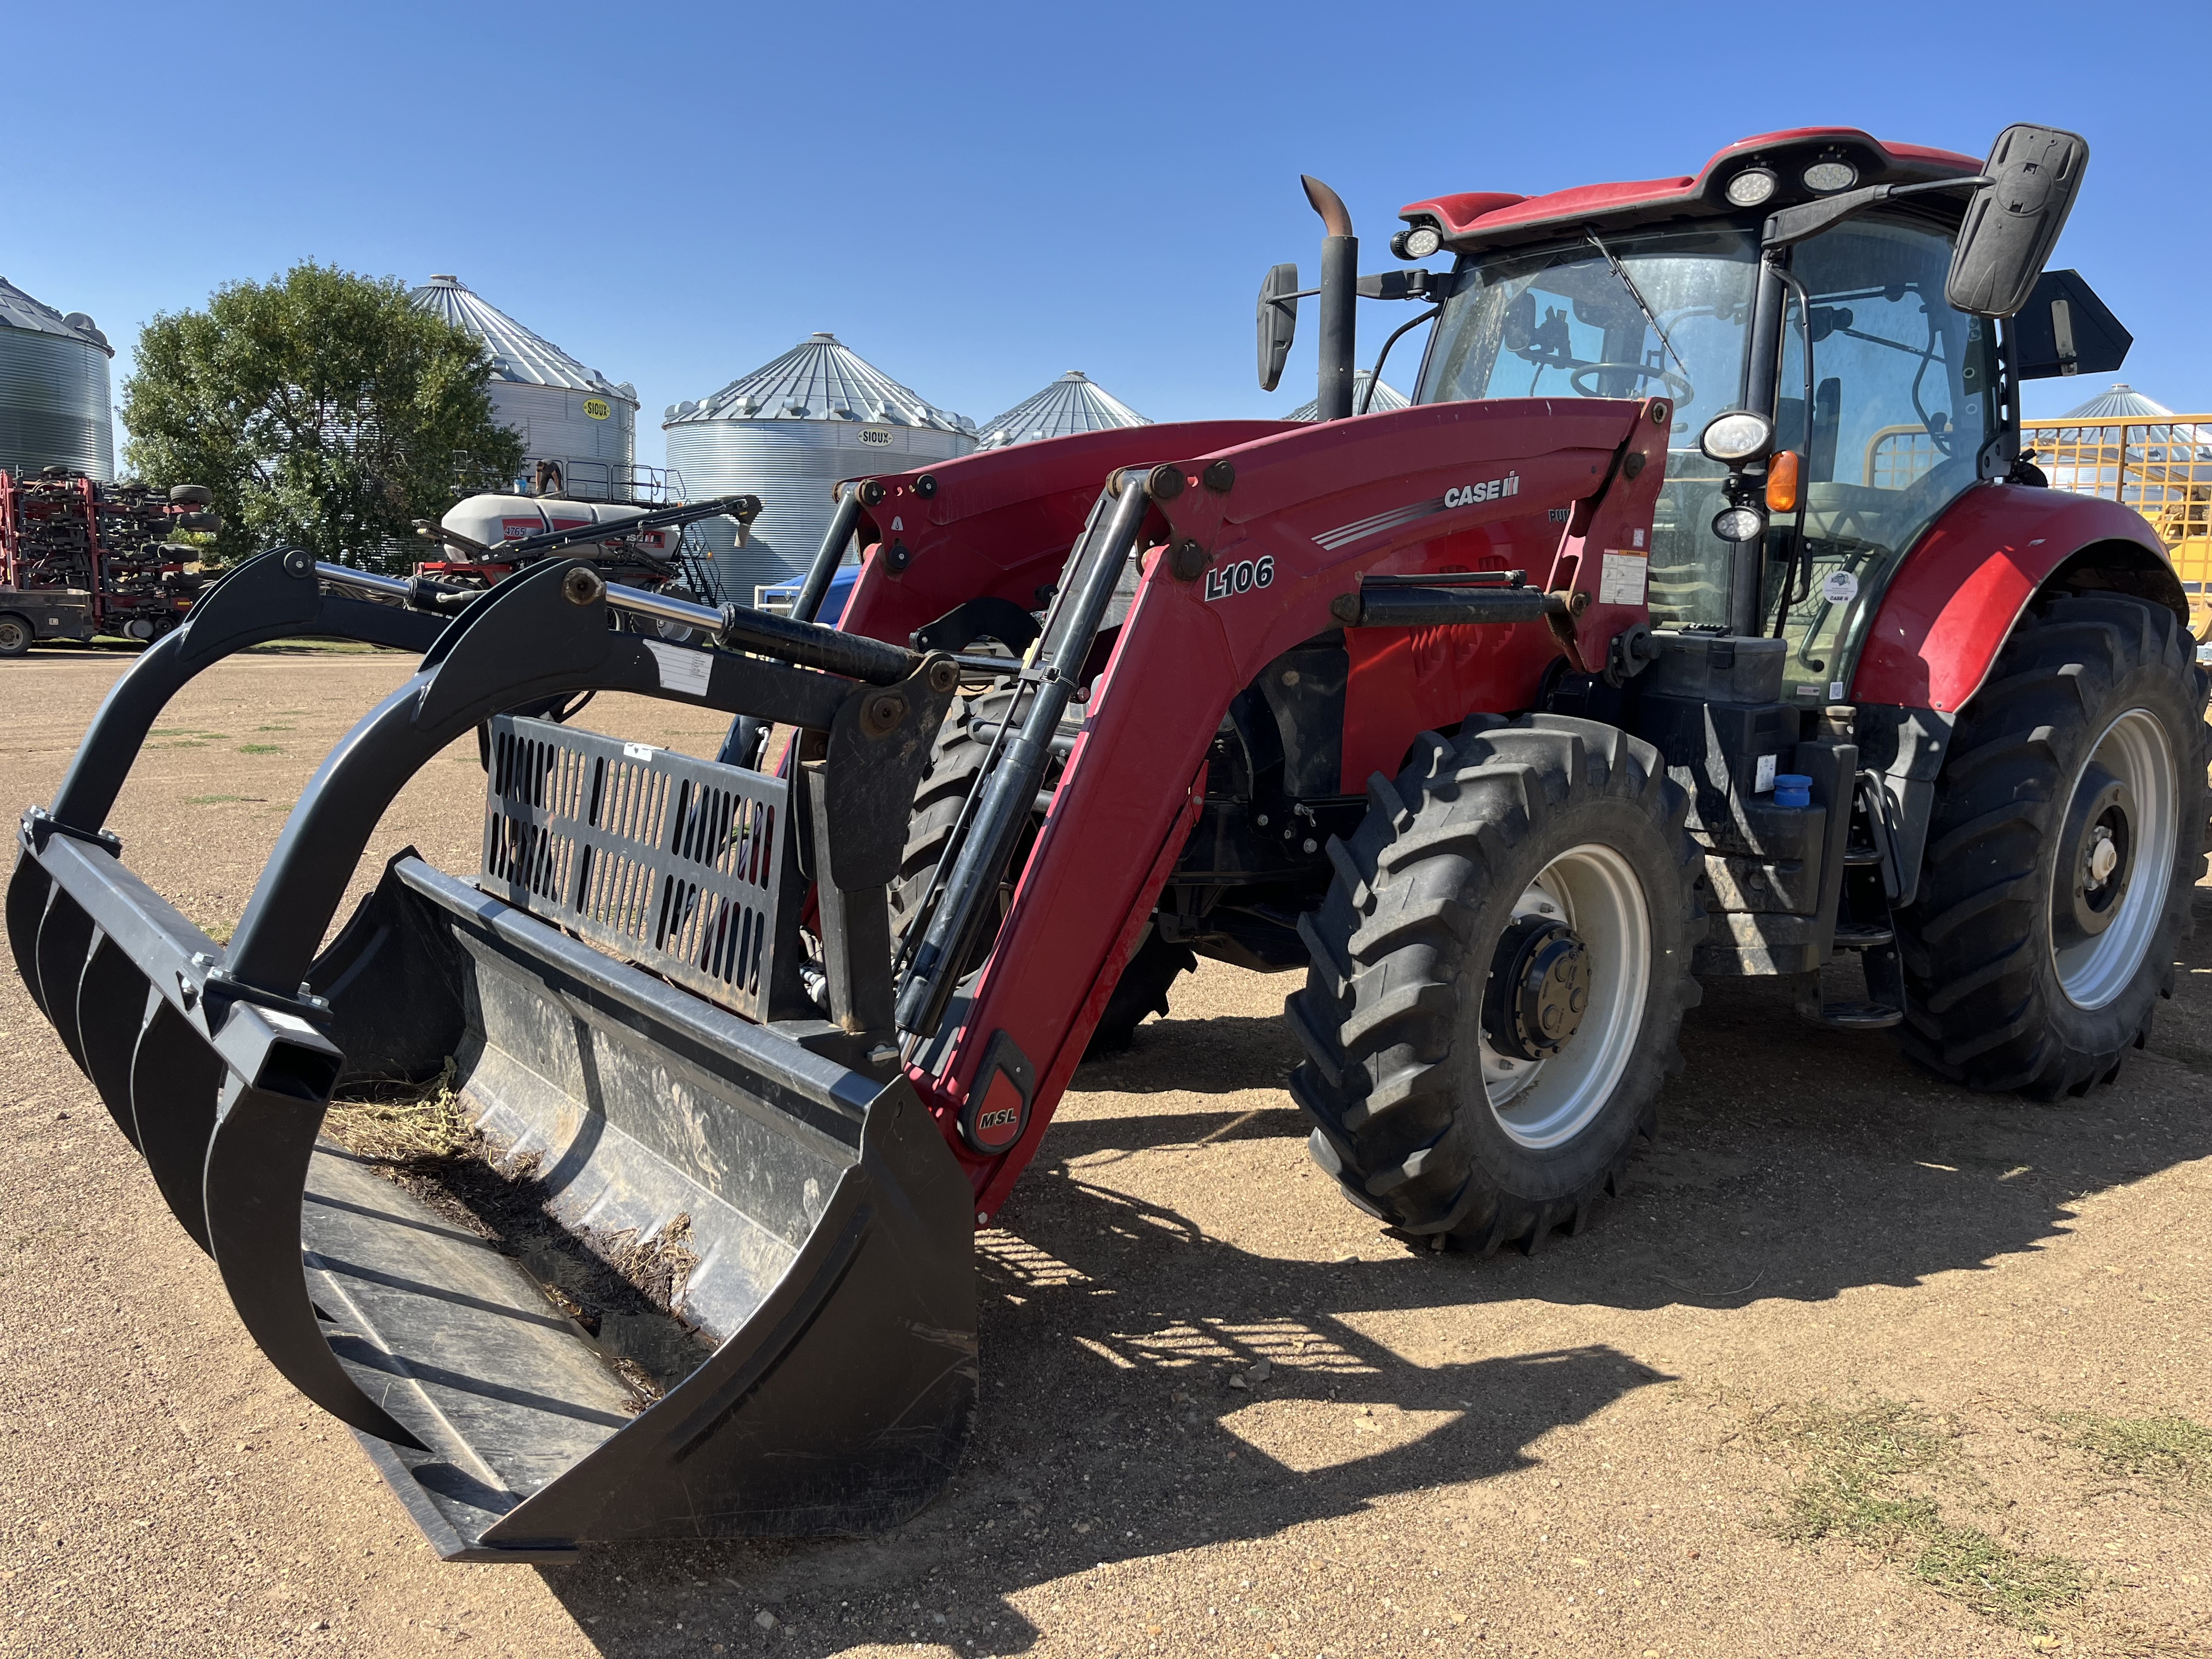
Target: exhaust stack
1339, 274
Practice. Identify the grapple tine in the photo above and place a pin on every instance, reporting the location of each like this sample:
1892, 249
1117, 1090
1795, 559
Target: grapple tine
256, 1178
175, 1079
112, 1008
28, 890
64, 942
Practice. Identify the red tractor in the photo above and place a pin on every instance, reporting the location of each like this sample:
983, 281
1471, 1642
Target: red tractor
1711, 516
1701, 619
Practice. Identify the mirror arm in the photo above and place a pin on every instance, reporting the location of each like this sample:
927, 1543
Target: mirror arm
1793, 225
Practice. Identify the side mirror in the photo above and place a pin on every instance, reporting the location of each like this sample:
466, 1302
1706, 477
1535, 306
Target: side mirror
2014, 221
1278, 323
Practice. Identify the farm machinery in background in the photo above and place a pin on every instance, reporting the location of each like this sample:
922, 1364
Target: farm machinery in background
80, 558
1615, 665
487, 538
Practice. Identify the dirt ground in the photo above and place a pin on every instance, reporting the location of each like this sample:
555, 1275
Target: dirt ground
1860, 1364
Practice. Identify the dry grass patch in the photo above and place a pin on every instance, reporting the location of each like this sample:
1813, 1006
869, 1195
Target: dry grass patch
2173, 1449
1870, 1476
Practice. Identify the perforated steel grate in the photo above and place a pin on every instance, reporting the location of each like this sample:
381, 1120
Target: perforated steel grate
667, 860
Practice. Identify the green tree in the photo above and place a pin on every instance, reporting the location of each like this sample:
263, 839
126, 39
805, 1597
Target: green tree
322, 409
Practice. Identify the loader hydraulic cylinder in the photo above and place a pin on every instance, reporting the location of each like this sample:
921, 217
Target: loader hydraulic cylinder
741, 628
978, 858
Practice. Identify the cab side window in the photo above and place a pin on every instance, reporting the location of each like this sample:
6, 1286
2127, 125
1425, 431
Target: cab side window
1903, 397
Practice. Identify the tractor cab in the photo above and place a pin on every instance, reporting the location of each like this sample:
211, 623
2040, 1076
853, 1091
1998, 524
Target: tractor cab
1883, 404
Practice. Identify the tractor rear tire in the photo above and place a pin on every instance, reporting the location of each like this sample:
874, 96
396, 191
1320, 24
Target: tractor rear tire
1457, 1084
958, 757
2027, 967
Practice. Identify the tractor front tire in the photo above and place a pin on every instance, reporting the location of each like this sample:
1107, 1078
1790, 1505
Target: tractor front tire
1499, 974
2067, 838
964, 742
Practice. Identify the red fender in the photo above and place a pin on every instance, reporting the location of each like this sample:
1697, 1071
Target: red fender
1948, 611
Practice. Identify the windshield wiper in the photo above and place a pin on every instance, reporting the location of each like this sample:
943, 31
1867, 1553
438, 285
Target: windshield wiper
1637, 294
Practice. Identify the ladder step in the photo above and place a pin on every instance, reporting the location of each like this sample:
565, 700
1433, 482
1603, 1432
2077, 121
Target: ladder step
1862, 935
1857, 1016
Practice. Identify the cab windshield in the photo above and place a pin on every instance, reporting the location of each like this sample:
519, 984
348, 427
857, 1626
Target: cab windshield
1561, 323
1890, 416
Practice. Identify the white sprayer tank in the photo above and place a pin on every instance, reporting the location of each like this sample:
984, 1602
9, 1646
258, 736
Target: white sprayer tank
787, 433
491, 519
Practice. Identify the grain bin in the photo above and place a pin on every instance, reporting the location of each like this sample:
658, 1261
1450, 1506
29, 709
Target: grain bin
1074, 402
571, 418
55, 407
787, 433
1386, 397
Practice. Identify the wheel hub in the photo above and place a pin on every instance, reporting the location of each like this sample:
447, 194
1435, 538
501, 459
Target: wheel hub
1539, 989
2095, 857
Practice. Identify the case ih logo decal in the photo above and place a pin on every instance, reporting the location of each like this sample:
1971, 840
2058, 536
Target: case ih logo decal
1239, 577
1397, 518
1495, 489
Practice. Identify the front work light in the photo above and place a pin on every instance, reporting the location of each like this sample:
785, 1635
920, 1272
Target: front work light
1829, 177
1418, 243
1734, 436
1750, 187
1739, 524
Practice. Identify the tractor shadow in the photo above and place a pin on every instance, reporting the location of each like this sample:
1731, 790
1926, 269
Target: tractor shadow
1109, 1430
1795, 1163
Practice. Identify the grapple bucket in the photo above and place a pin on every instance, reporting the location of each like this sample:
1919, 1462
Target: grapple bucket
792, 1346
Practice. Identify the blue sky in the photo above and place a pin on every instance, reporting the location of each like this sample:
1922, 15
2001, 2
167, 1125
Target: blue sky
978, 198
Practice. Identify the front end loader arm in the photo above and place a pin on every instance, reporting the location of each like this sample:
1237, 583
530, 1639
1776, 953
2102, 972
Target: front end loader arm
1252, 546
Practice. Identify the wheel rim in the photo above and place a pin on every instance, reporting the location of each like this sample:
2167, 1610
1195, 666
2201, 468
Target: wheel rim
2134, 749
1542, 1103
14, 636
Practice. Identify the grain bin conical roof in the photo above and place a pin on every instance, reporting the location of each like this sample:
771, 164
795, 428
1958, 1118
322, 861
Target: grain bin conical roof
2122, 403
1386, 397
820, 379
518, 355
1074, 402
19, 310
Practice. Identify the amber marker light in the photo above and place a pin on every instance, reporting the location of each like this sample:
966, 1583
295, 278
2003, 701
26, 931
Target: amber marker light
1781, 482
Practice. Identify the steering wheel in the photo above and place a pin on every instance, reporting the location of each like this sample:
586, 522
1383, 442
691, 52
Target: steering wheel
1683, 390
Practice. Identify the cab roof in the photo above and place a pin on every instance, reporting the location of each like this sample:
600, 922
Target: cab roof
1474, 220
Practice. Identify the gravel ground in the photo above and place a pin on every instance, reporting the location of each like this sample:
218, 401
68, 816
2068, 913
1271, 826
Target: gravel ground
1861, 1363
